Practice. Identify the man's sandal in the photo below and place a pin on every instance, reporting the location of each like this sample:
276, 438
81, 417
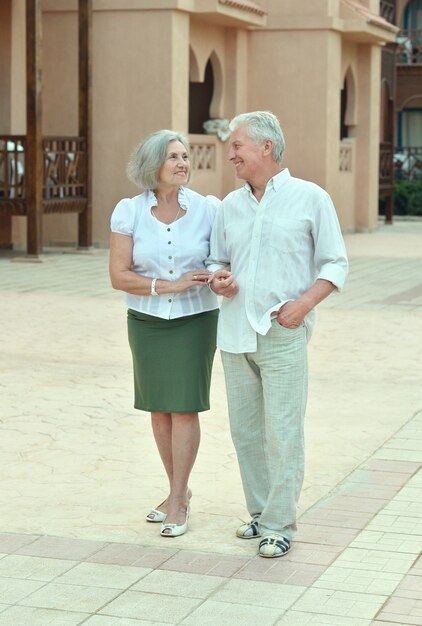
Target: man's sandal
273, 546
250, 530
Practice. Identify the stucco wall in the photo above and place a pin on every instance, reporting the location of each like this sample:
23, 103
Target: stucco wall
304, 92
142, 62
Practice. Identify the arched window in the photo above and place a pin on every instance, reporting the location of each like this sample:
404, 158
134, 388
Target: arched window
347, 105
200, 97
344, 131
412, 17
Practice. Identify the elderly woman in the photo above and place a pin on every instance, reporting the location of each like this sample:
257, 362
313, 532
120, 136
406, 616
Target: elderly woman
158, 247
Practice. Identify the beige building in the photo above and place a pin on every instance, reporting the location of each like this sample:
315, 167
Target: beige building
177, 63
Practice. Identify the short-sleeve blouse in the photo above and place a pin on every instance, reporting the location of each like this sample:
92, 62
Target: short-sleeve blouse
167, 251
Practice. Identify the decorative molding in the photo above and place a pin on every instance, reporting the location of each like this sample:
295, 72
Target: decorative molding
203, 156
65, 205
369, 17
244, 5
345, 157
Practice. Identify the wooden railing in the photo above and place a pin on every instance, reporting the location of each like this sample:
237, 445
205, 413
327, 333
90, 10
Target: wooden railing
388, 10
385, 178
64, 169
409, 46
12, 167
407, 164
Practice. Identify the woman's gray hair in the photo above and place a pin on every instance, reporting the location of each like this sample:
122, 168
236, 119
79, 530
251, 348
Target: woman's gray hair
149, 156
260, 126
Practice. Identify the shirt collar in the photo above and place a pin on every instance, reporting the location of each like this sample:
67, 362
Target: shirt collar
181, 197
275, 182
280, 179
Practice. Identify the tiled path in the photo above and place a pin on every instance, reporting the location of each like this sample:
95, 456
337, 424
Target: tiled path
74, 459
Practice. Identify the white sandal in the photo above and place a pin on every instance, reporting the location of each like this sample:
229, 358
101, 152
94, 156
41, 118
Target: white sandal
175, 530
156, 516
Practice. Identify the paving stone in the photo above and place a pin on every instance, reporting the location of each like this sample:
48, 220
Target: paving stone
70, 597
296, 618
393, 542
227, 614
76, 541
179, 584
341, 603
101, 575
407, 610
256, 593
34, 568
29, 616
150, 606
13, 589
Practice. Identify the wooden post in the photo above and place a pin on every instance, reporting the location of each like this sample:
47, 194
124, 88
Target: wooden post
34, 173
85, 114
389, 210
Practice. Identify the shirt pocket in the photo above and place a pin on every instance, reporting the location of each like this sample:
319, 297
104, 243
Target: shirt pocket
288, 236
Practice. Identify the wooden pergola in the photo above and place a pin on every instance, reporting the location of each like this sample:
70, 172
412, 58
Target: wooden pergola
43, 175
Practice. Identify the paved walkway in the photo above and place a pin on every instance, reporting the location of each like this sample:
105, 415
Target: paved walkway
79, 468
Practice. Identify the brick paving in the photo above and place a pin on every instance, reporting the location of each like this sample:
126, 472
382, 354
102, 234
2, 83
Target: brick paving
79, 469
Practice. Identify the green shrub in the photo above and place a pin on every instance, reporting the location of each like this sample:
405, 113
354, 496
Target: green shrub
408, 197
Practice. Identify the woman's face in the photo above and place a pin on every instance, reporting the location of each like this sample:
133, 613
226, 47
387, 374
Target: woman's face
176, 166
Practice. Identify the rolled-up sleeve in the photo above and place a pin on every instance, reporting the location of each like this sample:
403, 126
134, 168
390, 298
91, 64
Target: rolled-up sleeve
218, 257
330, 256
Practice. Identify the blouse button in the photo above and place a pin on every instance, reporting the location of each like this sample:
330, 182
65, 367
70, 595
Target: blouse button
171, 272
169, 229
169, 299
170, 257
169, 242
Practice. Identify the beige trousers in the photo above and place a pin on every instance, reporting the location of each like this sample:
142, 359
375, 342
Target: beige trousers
266, 393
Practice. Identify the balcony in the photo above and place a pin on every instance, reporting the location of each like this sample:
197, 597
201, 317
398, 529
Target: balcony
388, 10
64, 187
408, 164
409, 47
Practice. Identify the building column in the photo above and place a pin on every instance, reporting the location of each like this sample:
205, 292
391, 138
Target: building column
367, 134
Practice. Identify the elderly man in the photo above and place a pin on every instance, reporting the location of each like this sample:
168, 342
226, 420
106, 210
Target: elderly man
281, 238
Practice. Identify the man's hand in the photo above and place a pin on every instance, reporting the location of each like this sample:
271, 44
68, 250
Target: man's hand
292, 314
223, 284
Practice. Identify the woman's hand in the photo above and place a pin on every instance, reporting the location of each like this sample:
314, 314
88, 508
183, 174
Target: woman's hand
193, 278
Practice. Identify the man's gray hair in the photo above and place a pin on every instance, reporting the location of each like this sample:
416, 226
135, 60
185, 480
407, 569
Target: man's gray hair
149, 156
260, 126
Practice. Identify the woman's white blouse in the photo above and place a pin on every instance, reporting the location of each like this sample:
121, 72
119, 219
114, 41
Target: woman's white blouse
167, 251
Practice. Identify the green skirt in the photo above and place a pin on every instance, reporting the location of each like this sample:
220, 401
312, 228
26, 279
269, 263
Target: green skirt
172, 361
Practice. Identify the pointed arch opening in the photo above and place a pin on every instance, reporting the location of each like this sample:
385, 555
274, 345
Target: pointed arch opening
205, 92
347, 104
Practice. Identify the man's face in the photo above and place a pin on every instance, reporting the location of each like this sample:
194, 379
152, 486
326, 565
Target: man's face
245, 154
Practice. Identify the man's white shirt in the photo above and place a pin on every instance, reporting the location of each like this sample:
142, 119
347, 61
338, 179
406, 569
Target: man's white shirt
277, 248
